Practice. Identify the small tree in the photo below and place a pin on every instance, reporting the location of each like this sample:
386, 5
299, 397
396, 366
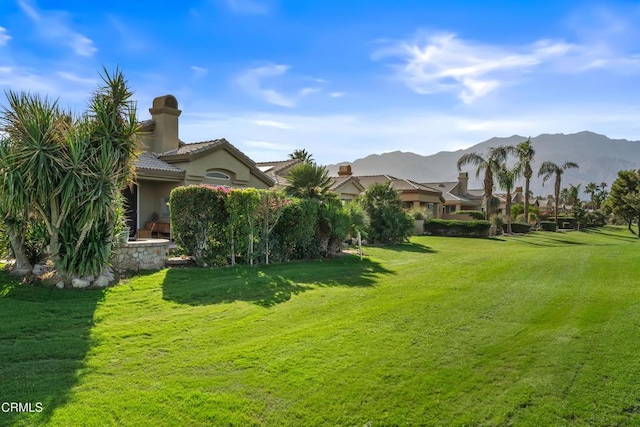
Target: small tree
388, 223
525, 154
269, 210
242, 205
549, 169
624, 198
506, 179
487, 164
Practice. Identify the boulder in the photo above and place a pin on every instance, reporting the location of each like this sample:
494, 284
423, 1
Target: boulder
80, 283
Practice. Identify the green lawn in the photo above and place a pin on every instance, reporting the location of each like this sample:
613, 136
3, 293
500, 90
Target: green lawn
532, 330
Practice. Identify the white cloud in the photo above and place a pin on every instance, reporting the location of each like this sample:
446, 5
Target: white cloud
445, 63
268, 145
199, 71
247, 7
252, 82
337, 94
272, 124
53, 26
4, 36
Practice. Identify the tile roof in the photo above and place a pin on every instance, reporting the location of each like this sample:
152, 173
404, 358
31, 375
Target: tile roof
276, 169
150, 161
340, 181
398, 184
193, 148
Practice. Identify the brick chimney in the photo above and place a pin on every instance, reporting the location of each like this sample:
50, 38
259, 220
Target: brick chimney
345, 170
164, 114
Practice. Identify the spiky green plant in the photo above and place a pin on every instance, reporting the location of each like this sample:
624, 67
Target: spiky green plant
72, 170
308, 180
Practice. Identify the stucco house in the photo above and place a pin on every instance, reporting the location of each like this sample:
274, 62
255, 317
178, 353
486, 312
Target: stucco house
412, 194
457, 196
347, 187
167, 163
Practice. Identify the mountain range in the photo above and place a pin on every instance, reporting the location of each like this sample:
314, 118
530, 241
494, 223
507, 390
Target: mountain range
599, 159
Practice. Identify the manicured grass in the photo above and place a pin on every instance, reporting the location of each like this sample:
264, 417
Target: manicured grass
532, 330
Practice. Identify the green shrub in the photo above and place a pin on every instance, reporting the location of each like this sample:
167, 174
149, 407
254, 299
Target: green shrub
548, 226
198, 219
454, 228
478, 215
294, 235
388, 223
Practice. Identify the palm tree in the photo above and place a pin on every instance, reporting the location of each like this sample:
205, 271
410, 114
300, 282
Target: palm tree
592, 189
506, 179
308, 180
302, 154
525, 154
549, 169
489, 164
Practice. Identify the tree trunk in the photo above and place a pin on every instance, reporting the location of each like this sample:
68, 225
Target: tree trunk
629, 227
557, 191
508, 213
488, 192
526, 200
23, 266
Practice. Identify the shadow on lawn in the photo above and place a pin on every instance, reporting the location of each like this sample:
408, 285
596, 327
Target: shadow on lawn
411, 247
265, 285
44, 339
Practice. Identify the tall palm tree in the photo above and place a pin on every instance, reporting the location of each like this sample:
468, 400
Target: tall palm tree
506, 180
308, 180
488, 163
302, 154
591, 189
525, 154
549, 169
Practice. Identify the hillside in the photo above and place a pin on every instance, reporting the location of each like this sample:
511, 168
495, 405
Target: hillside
599, 158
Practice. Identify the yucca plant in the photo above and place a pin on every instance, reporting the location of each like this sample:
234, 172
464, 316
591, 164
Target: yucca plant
72, 170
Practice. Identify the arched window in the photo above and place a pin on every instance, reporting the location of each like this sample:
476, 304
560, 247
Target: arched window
217, 175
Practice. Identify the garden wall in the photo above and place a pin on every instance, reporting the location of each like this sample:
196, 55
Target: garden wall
136, 255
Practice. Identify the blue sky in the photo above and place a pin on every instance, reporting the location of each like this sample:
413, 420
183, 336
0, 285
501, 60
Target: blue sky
342, 79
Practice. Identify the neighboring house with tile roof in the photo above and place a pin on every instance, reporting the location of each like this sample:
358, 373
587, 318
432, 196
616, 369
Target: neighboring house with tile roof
167, 163
413, 195
457, 196
347, 187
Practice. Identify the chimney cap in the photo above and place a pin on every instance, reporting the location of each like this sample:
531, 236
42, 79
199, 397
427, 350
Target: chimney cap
345, 170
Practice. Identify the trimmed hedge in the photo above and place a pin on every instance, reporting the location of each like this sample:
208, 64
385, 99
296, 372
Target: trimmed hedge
548, 226
479, 215
453, 228
518, 227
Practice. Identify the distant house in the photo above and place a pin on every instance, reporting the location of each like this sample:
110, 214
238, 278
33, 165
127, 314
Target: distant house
346, 186
167, 163
412, 194
516, 197
457, 196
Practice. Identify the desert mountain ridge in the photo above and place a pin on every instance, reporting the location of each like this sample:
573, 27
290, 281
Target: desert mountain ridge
599, 157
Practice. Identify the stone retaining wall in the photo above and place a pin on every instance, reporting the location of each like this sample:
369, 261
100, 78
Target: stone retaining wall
136, 255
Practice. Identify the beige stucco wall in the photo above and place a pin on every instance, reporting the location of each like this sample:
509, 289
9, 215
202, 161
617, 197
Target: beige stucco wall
349, 191
223, 161
151, 194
